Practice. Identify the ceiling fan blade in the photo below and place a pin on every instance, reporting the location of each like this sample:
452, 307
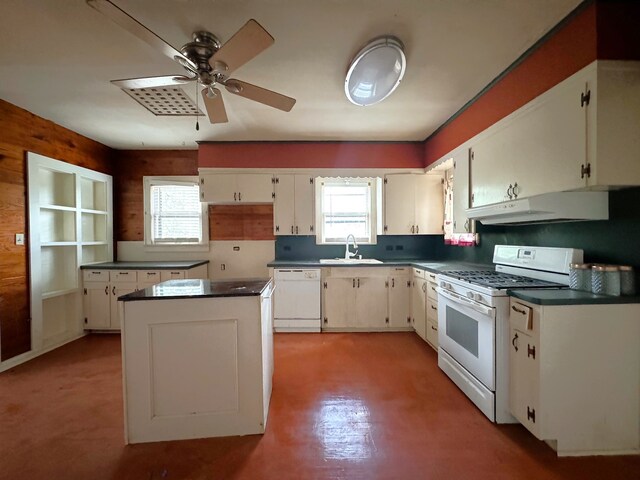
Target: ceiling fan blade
215, 107
259, 94
150, 82
133, 26
245, 44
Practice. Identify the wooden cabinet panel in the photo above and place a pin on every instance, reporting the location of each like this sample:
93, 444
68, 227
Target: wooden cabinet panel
524, 380
255, 187
418, 307
371, 302
339, 302
97, 305
399, 302
304, 204
399, 204
429, 216
284, 205
218, 188
461, 191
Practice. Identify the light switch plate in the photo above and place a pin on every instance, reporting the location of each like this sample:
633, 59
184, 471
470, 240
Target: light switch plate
19, 238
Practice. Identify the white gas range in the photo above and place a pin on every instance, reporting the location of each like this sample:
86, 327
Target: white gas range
473, 314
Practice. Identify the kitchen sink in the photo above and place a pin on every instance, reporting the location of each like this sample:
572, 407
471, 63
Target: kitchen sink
349, 261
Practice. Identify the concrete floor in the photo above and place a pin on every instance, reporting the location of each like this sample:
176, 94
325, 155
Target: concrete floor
344, 406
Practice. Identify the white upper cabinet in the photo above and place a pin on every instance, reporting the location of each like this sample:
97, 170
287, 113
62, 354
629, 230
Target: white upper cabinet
293, 205
228, 188
413, 204
461, 224
581, 133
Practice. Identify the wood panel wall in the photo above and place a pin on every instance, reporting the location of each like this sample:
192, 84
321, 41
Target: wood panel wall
241, 222
23, 132
130, 167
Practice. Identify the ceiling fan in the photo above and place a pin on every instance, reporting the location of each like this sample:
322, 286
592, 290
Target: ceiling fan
206, 61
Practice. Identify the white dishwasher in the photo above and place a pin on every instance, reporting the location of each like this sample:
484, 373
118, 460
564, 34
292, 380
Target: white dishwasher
296, 300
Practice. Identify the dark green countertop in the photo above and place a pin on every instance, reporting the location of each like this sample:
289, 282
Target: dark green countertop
180, 289
170, 265
434, 267
567, 296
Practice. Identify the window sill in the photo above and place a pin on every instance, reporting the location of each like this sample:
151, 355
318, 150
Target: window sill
176, 248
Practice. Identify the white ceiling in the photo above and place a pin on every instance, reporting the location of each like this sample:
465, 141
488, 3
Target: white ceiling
57, 57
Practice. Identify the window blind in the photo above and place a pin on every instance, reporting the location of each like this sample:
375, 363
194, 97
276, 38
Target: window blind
175, 214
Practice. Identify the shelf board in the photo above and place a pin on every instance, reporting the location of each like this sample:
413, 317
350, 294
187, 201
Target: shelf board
84, 244
94, 212
95, 263
58, 244
59, 293
64, 208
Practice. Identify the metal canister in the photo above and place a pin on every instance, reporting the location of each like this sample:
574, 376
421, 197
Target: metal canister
605, 280
627, 280
580, 276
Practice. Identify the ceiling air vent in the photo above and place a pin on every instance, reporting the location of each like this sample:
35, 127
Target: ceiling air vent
164, 101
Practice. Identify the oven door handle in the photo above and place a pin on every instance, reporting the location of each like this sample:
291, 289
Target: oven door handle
478, 307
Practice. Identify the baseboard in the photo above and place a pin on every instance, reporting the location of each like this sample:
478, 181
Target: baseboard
30, 355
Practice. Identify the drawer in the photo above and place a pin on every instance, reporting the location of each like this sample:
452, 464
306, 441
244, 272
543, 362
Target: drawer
431, 277
521, 316
432, 293
432, 311
432, 333
95, 275
418, 272
397, 271
124, 276
149, 277
171, 275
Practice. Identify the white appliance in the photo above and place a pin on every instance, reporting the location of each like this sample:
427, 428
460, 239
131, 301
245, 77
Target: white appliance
297, 300
473, 319
550, 207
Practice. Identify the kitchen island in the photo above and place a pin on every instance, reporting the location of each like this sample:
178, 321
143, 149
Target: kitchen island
197, 359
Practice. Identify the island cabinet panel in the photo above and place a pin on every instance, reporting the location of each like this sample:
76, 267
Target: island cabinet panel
196, 367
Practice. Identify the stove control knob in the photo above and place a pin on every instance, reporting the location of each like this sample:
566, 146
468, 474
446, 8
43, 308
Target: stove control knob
478, 298
471, 295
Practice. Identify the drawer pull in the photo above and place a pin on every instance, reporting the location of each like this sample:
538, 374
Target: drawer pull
433, 308
514, 342
518, 310
106, 290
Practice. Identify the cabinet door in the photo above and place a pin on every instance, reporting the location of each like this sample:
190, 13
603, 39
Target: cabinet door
491, 170
399, 302
429, 204
339, 302
96, 305
284, 205
116, 290
304, 202
432, 333
371, 302
524, 380
218, 188
418, 307
550, 137
399, 204
255, 188
461, 191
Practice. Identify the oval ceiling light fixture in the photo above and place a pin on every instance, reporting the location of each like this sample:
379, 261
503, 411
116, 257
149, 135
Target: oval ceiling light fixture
376, 71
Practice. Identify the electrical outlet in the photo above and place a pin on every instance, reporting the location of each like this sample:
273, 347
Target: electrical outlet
19, 238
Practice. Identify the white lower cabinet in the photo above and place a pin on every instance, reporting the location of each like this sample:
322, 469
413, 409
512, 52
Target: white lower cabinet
419, 307
365, 298
103, 287
574, 375
432, 311
400, 298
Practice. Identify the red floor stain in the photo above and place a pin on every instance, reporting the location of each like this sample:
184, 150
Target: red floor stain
344, 406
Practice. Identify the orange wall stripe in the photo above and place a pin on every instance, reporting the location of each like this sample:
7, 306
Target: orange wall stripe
569, 50
311, 155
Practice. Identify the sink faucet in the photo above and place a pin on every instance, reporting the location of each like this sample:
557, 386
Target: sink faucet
347, 253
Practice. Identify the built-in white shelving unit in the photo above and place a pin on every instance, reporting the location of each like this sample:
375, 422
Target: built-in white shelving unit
70, 224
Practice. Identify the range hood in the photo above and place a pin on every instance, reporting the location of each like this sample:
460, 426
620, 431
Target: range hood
550, 207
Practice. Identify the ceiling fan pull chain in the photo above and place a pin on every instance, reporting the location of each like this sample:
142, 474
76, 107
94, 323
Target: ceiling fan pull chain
197, 109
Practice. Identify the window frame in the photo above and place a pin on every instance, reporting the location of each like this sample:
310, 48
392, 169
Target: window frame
375, 207
203, 244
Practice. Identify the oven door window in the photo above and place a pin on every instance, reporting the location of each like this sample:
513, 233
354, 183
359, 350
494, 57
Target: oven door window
463, 330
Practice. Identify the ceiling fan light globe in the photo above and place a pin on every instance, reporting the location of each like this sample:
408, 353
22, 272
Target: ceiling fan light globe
376, 71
